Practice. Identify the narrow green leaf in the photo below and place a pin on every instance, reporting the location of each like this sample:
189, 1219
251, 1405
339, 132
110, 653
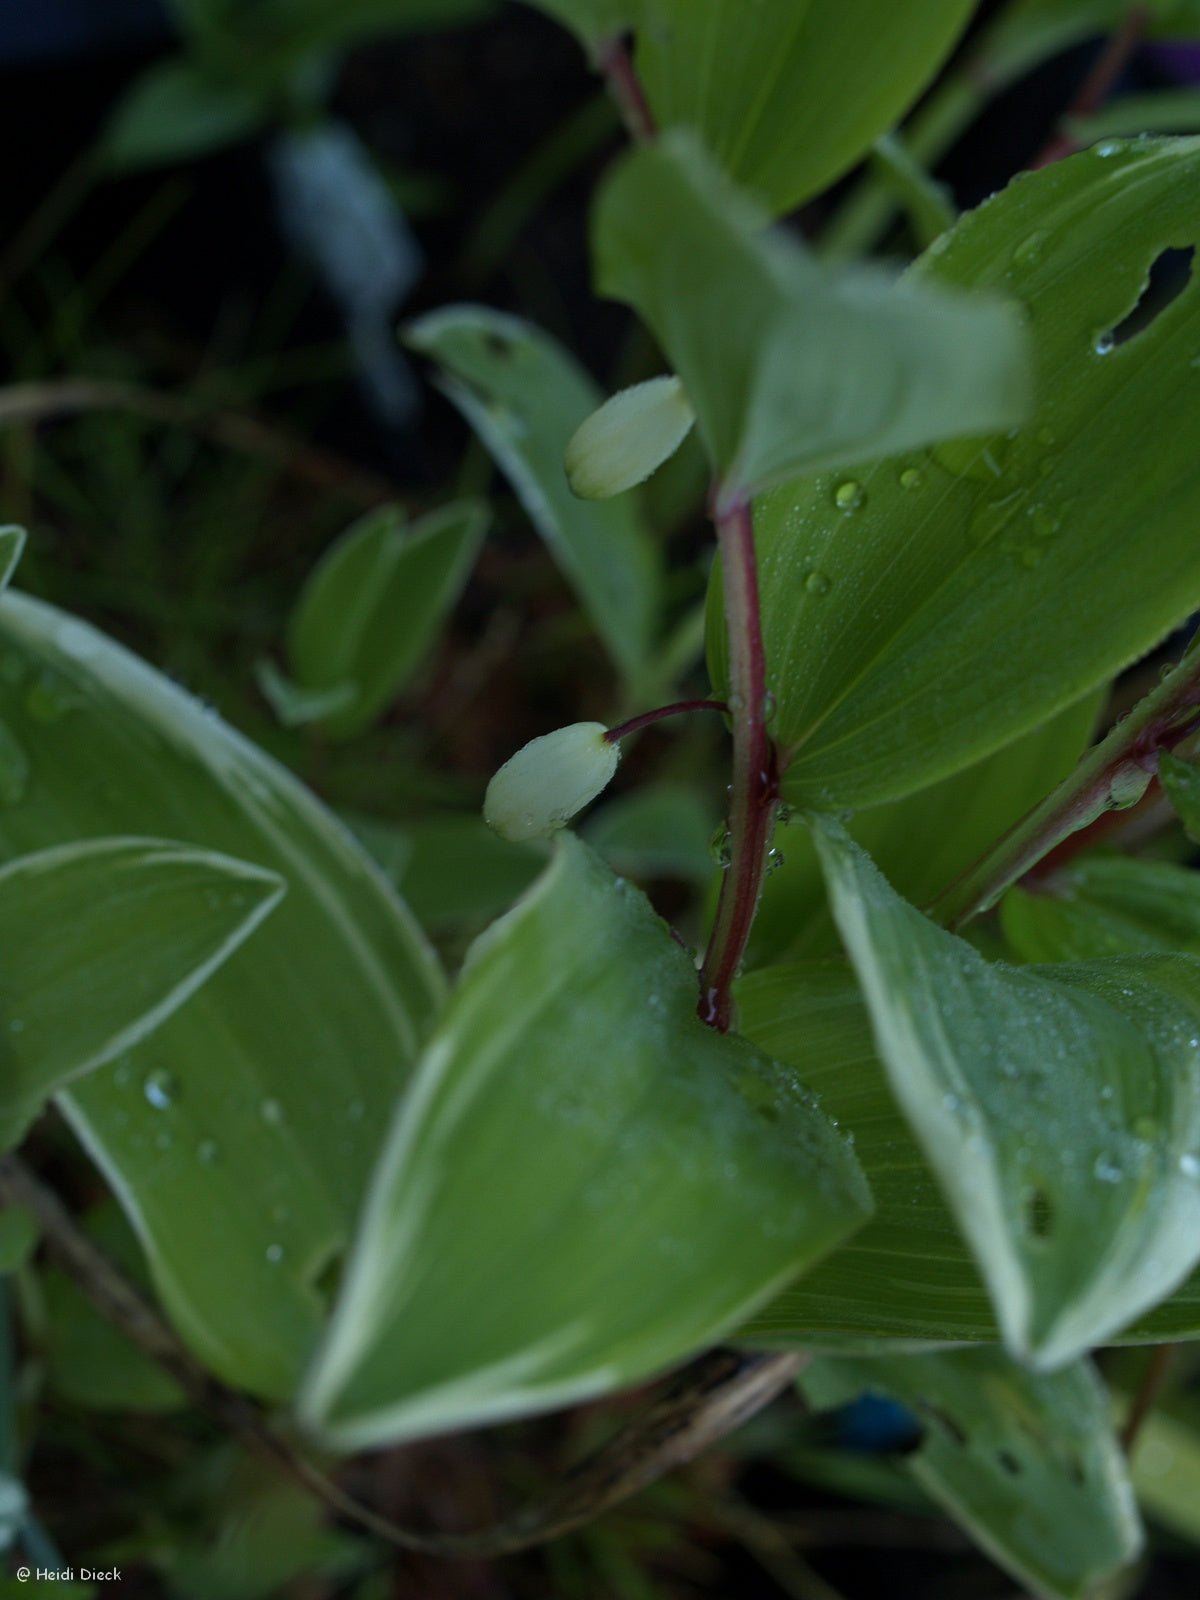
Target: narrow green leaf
103, 941
178, 111
238, 1136
791, 367
792, 99
1164, 111
922, 842
907, 607
1181, 785
1027, 1464
1105, 905
525, 396
374, 604
12, 543
616, 1184
297, 707
1058, 1106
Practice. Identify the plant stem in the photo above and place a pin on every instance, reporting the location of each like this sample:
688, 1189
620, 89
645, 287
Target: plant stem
611, 58
679, 709
704, 1402
1097, 86
1106, 779
754, 788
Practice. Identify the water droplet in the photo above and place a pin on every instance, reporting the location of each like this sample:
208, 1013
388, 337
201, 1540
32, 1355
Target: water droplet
848, 496
775, 861
160, 1089
910, 478
208, 1152
769, 707
657, 1005
1109, 147
1127, 785
1029, 250
1045, 523
1189, 1165
720, 846
49, 698
274, 1254
14, 769
271, 1112
1029, 555
816, 583
1103, 344
1107, 1170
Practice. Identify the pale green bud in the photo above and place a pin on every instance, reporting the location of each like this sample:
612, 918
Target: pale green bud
540, 789
628, 438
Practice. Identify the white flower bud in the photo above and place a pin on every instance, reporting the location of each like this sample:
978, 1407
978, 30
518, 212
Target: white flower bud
628, 438
538, 790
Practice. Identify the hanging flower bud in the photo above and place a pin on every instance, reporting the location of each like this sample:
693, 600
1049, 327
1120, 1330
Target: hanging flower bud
538, 790
628, 438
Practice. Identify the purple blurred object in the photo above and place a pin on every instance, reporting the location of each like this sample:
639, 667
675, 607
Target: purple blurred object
1179, 59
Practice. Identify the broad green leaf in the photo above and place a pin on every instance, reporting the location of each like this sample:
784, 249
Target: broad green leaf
178, 111
630, 437
1058, 1106
907, 1276
616, 1184
789, 365
1181, 785
525, 396
375, 602
239, 1136
923, 842
592, 21
1027, 1464
1105, 905
925, 611
101, 942
791, 97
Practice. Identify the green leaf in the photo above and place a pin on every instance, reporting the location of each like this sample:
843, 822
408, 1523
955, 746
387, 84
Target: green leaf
177, 111
789, 365
592, 21
239, 1135
296, 707
103, 941
1181, 785
375, 602
659, 830
907, 1276
1166, 1474
1105, 905
1165, 111
18, 1238
923, 842
1058, 1106
525, 397
791, 100
12, 543
1026, 1464
615, 1183
925, 611
452, 870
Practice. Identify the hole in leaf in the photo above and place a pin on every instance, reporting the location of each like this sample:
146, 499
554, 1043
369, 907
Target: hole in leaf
1167, 278
1009, 1462
1039, 1214
944, 1420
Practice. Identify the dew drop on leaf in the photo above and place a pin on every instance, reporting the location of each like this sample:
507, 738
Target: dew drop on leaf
209, 1152
816, 583
160, 1089
910, 478
849, 496
271, 1112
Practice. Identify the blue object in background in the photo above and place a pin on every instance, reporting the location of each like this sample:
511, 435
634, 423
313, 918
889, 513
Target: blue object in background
42, 30
875, 1425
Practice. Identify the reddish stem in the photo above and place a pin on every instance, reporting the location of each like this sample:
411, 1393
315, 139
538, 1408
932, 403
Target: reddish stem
1097, 86
679, 709
612, 59
755, 788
